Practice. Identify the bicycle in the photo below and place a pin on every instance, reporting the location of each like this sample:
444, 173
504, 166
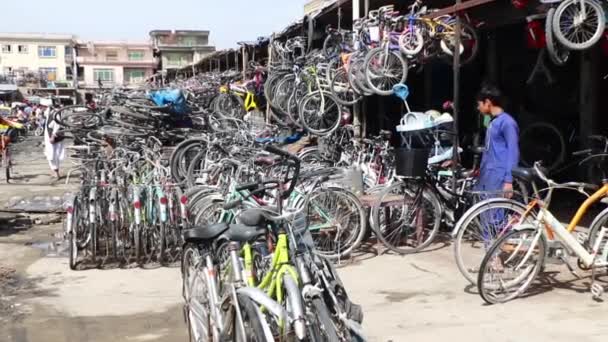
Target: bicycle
523, 250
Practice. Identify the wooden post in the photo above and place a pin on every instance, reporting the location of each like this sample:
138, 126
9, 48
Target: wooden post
244, 62
358, 116
236, 60
456, 100
268, 66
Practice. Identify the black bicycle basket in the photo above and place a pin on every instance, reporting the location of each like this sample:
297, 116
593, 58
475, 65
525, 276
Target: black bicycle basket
411, 162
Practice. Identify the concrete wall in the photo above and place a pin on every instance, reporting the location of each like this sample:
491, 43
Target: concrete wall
31, 60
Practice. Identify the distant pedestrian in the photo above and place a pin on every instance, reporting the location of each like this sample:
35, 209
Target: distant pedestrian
53, 143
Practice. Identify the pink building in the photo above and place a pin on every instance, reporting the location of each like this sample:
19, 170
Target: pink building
113, 64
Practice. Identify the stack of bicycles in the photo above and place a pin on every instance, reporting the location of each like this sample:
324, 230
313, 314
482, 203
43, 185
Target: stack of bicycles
256, 274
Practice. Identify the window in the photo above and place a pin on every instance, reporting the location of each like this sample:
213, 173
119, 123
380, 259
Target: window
135, 76
188, 41
6, 48
50, 74
22, 48
111, 56
104, 75
69, 75
176, 59
47, 51
136, 55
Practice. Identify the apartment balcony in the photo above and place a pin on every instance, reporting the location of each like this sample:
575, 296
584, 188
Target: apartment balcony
149, 62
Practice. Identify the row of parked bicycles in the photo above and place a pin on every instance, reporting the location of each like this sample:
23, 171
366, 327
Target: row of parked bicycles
255, 214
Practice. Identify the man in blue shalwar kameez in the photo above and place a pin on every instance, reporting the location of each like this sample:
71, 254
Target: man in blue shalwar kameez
501, 153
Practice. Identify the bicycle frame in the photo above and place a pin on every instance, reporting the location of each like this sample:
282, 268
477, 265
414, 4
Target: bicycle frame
554, 228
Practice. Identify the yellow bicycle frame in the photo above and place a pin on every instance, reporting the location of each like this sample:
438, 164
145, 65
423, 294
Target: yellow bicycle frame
272, 283
248, 97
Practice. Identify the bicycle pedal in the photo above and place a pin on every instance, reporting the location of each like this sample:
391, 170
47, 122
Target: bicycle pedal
597, 290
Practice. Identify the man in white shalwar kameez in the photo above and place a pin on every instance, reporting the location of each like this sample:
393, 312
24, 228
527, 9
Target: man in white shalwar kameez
53, 150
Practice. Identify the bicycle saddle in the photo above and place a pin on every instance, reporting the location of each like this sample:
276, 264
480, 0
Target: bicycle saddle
255, 216
526, 173
232, 232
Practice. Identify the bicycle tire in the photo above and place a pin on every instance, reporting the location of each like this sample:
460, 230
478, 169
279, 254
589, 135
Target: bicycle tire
600, 221
591, 6
468, 218
406, 190
356, 209
526, 159
194, 324
249, 314
72, 239
411, 43
6, 160
557, 54
369, 74
527, 280
347, 97
322, 327
332, 121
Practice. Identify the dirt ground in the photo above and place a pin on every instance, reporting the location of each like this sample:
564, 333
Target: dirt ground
418, 297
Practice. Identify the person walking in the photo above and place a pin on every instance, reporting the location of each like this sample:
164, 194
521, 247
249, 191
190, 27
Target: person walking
501, 153
53, 143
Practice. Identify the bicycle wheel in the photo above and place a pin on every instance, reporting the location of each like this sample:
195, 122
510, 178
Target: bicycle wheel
479, 227
73, 231
469, 45
337, 222
406, 217
251, 324
196, 295
320, 112
384, 69
557, 53
230, 105
341, 88
573, 30
411, 41
322, 327
511, 264
600, 221
542, 141
6, 160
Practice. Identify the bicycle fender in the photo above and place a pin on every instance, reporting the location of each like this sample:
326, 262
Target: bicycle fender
460, 222
264, 300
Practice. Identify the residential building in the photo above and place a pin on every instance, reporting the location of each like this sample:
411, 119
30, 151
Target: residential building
114, 63
180, 48
49, 56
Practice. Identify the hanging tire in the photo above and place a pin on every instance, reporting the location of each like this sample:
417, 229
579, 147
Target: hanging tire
558, 54
374, 72
567, 35
542, 141
411, 42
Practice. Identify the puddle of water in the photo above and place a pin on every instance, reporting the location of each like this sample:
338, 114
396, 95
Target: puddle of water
52, 249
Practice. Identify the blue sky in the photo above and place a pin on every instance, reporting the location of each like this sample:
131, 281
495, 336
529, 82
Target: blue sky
228, 20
